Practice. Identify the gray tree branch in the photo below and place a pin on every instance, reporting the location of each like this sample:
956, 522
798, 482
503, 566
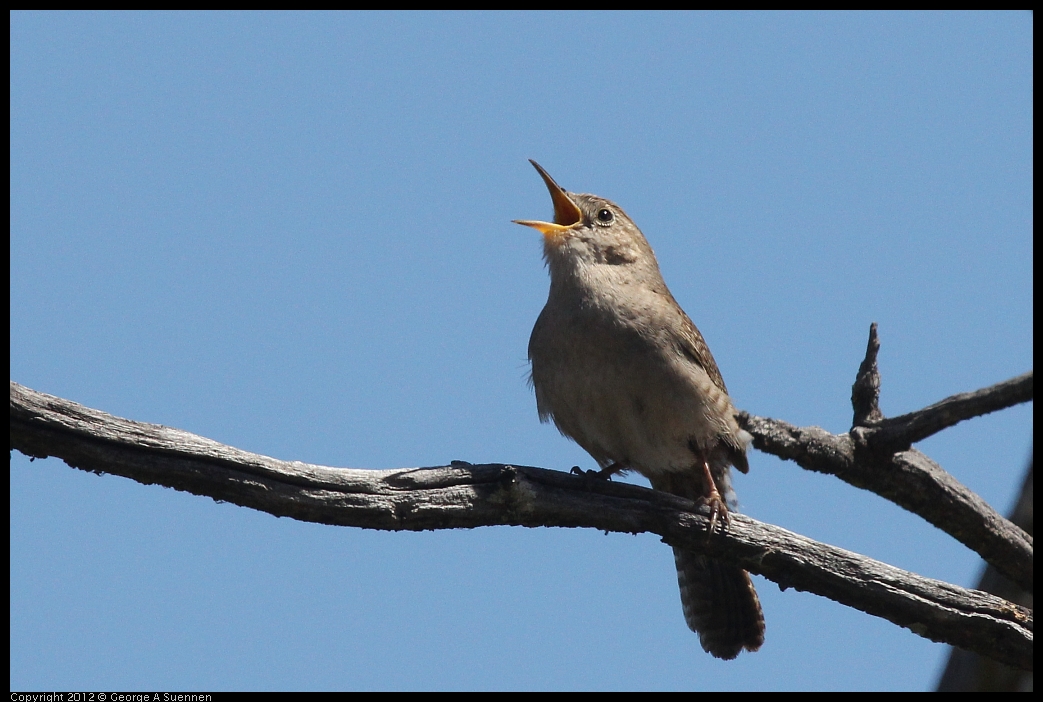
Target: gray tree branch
466, 496
876, 455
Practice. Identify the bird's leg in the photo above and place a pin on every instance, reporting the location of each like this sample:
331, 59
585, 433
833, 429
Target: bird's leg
718, 508
711, 496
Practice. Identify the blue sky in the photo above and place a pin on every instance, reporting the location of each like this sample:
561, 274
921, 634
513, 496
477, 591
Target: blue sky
292, 233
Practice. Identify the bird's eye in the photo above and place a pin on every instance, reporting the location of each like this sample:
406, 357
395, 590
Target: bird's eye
605, 216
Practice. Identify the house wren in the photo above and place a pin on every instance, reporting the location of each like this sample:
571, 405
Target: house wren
622, 371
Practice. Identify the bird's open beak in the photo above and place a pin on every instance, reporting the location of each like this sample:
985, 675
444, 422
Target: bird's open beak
566, 214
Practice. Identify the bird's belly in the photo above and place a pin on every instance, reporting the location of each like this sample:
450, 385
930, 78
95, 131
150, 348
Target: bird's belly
645, 418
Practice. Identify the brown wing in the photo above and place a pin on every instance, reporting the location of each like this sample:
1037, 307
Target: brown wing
691, 343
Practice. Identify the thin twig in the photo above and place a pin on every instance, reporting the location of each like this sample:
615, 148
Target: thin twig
865, 393
903, 431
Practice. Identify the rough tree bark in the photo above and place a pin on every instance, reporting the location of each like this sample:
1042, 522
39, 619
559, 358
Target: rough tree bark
875, 455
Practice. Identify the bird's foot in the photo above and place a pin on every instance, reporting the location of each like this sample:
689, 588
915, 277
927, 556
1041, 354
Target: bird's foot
718, 511
605, 473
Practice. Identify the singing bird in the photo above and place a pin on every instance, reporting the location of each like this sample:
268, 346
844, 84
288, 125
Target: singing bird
621, 369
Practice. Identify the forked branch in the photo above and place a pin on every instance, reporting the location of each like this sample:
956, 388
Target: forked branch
876, 455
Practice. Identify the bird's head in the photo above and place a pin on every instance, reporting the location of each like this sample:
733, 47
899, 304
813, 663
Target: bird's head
588, 231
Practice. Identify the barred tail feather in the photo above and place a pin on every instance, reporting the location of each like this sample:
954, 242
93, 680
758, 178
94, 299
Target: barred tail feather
720, 604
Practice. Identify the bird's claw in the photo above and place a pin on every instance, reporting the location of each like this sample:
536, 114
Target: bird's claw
718, 511
603, 474
576, 470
